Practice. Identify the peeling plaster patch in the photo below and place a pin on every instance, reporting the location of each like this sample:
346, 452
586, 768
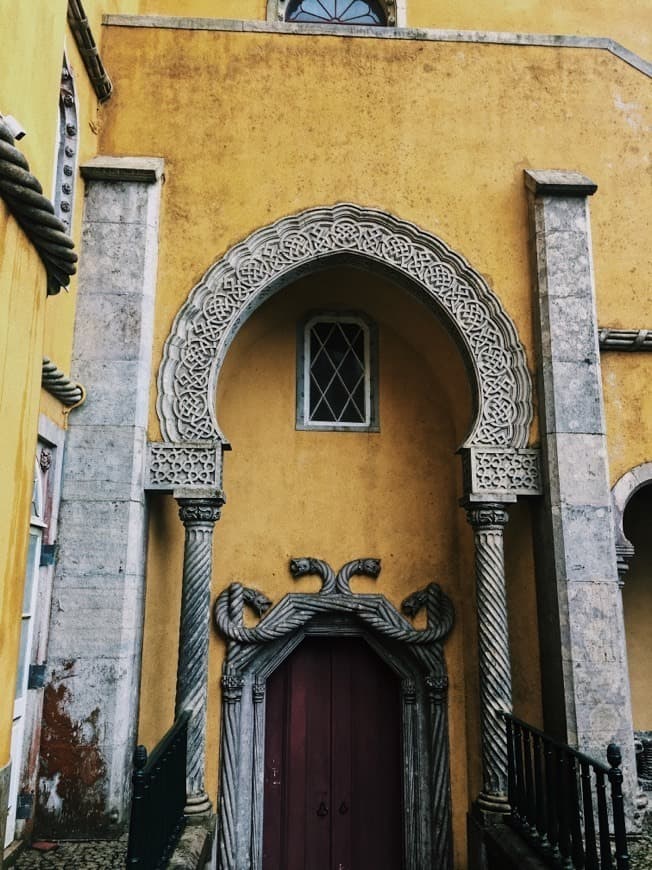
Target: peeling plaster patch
632, 111
72, 768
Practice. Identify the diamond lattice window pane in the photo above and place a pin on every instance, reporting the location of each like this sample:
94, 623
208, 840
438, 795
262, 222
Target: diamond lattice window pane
338, 373
336, 11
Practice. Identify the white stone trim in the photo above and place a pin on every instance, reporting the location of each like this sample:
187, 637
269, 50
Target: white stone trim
622, 491
272, 257
486, 37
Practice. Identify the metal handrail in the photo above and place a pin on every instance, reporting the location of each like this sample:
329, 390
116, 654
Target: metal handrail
555, 793
158, 799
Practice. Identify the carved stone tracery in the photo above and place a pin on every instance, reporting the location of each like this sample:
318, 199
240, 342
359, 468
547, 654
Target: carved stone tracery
416, 655
273, 256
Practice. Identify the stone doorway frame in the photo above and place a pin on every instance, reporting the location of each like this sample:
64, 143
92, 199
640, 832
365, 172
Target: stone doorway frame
416, 656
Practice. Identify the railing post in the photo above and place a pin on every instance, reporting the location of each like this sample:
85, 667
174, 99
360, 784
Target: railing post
616, 779
137, 827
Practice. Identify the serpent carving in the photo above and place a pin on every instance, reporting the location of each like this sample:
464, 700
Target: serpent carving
34, 212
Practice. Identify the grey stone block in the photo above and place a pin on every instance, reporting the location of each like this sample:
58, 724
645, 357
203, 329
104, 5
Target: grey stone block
587, 551
579, 469
117, 544
113, 259
114, 394
119, 202
572, 395
110, 327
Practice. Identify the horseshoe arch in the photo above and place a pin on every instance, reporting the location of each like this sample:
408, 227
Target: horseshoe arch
274, 256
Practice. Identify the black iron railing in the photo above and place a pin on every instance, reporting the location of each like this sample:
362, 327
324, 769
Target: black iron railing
159, 798
559, 802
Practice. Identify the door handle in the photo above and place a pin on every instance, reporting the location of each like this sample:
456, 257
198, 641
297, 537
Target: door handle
322, 809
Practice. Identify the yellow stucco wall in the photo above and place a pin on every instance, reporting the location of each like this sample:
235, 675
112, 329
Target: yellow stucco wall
426, 131
30, 92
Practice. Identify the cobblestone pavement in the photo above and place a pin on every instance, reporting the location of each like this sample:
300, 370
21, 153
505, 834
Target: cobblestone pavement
92, 855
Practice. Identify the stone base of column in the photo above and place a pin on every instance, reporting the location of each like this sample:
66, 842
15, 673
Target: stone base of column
198, 806
491, 809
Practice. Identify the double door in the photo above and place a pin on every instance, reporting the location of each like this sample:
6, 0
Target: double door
333, 786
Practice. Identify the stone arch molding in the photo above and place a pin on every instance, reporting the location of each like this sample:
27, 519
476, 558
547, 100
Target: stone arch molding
621, 493
415, 655
273, 256
497, 462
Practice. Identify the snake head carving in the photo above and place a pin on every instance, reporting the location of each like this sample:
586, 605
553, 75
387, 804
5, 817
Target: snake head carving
299, 567
258, 602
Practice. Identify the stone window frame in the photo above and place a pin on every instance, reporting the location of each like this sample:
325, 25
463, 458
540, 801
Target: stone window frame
394, 14
372, 423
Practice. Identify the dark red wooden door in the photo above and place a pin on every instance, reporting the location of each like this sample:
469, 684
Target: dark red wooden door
333, 788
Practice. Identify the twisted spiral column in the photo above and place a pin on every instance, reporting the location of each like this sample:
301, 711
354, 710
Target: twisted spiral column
489, 521
198, 516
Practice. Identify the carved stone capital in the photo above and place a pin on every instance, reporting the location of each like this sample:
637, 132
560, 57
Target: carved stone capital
437, 686
487, 517
232, 686
200, 510
409, 691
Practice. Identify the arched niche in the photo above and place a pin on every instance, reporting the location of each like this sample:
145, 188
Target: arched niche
315, 239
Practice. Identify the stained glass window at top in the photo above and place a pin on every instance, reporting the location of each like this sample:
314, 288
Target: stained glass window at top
336, 12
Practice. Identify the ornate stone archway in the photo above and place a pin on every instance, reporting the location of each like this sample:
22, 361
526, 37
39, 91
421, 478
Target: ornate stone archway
498, 466
274, 256
415, 655
622, 491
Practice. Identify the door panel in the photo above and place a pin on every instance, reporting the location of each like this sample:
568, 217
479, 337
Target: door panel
333, 790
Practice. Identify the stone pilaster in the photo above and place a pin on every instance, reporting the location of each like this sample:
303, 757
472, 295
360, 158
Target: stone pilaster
199, 516
488, 521
96, 627
585, 677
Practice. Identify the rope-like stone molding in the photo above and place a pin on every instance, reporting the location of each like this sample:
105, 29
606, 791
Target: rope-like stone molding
90, 54
625, 339
415, 654
34, 213
273, 256
488, 523
55, 382
199, 517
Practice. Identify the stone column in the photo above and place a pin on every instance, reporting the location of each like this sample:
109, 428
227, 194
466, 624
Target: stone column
585, 678
199, 516
91, 700
488, 521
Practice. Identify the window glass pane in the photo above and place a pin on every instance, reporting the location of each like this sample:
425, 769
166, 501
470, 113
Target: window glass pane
33, 555
335, 373
336, 11
21, 679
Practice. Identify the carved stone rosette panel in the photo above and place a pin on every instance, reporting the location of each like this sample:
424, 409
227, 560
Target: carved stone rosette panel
415, 655
184, 466
499, 473
273, 256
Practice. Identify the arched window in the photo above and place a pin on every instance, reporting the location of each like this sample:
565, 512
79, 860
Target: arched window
338, 12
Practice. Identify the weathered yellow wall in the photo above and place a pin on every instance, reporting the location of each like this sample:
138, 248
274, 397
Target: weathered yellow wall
637, 604
239, 9
626, 379
30, 92
598, 18
430, 133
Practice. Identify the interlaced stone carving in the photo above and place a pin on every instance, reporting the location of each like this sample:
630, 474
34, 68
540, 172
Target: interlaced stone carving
417, 656
502, 470
175, 466
275, 255
488, 521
